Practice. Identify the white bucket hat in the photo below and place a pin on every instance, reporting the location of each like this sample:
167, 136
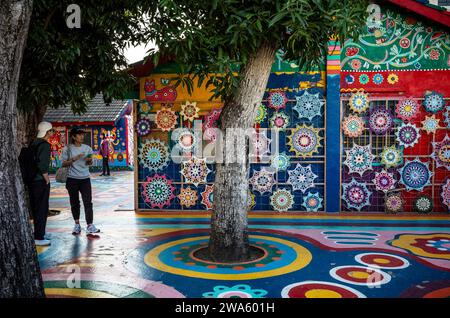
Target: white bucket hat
43, 127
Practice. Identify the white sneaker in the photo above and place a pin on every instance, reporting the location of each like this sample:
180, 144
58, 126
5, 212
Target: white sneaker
76, 229
91, 229
42, 242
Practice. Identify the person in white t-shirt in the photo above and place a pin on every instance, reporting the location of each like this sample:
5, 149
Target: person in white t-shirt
78, 157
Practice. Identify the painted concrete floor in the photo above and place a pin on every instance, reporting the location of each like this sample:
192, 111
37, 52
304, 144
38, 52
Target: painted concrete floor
305, 255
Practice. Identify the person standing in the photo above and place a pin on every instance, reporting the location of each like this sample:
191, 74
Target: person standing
104, 152
78, 157
40, 186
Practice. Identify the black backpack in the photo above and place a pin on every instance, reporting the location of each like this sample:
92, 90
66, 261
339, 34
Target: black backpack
28, 162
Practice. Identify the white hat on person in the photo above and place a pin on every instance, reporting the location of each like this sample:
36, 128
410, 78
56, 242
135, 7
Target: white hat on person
43, 127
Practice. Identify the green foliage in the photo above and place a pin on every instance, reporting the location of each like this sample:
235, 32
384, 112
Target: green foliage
68, 66
217, 37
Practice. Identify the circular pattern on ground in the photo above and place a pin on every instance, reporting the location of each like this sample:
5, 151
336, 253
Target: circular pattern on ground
360, 275
319, 289
382, 260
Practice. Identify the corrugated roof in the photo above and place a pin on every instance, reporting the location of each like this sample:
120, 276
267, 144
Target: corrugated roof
97, 111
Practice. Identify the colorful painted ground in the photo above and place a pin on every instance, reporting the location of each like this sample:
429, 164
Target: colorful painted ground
305, 255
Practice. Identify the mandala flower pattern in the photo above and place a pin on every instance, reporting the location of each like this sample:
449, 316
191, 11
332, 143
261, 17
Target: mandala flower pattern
189, 111
356, 195
430, 124
158, 191
423, 204
305, 141
308, 105
166, 119
394, 203
260, 144
391, 157
301, 178
263, 180
407, 109
407, 135
312, 202
154, 154
353, 126
280, 161
195, 170
384, 181
187, 197
237, 291
359, 159
433, 102
359, 102
282, 200
364, 79
261, 115
143, 127
208, 197
277, 99
185, 138
380, 121
378, 79
415, 175
279, 120
441, 153
445, 194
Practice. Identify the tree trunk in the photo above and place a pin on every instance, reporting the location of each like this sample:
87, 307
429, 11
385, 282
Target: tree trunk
28, 122
229, 236
19, 268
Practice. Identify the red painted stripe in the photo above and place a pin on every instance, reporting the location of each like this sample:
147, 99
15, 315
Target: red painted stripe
441, 17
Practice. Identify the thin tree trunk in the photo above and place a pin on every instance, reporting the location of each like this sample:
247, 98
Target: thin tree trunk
19, 268
229, 236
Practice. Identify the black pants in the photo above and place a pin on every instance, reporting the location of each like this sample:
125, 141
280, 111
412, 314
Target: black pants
105, 165
83, 186
39, 196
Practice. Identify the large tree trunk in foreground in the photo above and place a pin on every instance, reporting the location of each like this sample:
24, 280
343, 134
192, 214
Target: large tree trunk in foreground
28, 122
229, 235
19, 268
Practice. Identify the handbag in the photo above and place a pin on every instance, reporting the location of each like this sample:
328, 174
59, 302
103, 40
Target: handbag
63, 172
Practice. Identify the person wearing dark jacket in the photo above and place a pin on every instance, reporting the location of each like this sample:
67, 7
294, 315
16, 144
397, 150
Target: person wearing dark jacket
40, 187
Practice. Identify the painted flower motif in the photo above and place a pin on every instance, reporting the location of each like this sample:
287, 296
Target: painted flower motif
353, 126
430, 124
433, 102
434, 245
441, 153
301, 178
304, 141
185, 139
143, 127
153, 154
417, 66
384, 181
394, 203
415, 175
392, 79
356, 195
144, 107
189, 111
251, 202
407, 109
312, 202
282, 200
158, 191
429, 30
405, 43
380, 120
166, 119
279, 121
378, 79
208, 197
391, 157
210, 124
277, 99
352, 51
407, 135
447, 116
280, 162
349, 79
308, 105
195, 170
364, 79
434, 54
445, 194
261, 115
356, 64
423, 204
359, 102
359, 159
263, 180
404, 59
237, 291
187, 197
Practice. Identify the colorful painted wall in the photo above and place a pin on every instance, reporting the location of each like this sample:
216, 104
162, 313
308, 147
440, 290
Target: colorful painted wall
292, 181
118, 135
394, 106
